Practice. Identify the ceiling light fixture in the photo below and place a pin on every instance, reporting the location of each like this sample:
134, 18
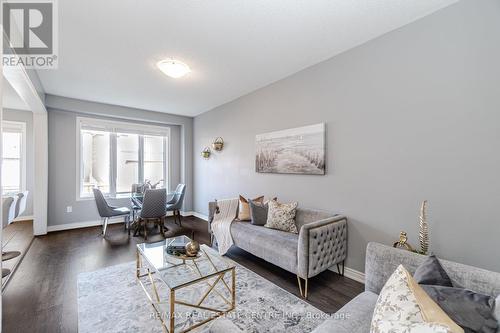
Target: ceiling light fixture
173, 68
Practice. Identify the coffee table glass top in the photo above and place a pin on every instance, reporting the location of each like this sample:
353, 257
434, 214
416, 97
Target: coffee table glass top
175, 272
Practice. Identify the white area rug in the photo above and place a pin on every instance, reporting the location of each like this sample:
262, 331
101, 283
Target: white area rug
111, 300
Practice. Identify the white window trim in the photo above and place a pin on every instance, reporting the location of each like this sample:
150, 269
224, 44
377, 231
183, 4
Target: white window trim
111, 125
16, 127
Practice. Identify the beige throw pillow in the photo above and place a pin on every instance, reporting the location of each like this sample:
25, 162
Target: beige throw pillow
244, 208
403, 306
281, 216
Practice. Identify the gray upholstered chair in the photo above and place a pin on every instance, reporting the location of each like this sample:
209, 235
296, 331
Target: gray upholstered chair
6, 204
22, 199
12, 209
106, 211
175, 204
8, 215
154, 209
178, 189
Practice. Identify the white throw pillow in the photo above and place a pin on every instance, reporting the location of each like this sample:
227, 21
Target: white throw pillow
403, 306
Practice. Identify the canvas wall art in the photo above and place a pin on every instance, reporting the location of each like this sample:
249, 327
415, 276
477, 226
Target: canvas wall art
298, 150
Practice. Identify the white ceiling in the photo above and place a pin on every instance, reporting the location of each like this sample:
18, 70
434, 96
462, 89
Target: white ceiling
108, 49
11, 99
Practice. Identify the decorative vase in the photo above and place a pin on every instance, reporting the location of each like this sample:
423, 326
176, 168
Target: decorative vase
218, 144
192, 248
423, 234
206, 153
403, 242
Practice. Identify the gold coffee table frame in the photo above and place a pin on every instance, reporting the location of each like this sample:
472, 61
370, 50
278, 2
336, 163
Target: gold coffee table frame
156, 301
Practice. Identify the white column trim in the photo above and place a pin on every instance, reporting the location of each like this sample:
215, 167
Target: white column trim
41, 161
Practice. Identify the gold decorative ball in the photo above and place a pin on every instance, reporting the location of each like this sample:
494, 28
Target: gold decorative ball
192, 248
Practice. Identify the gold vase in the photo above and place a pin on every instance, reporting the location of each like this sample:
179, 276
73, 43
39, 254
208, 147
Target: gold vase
192, 248
423, 234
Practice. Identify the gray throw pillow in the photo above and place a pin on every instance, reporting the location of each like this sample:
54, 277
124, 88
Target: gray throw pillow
258, 212
432, 273
472, 311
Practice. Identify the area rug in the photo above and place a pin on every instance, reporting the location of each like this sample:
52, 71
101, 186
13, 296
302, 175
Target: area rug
111, 300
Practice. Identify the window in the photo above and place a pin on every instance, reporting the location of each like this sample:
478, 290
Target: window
14, 157
127, 161
154, 159
115, 155
95, 161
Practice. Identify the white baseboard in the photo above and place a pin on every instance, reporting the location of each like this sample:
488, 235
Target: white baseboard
24, 218
188, 213
352, 274
200, 216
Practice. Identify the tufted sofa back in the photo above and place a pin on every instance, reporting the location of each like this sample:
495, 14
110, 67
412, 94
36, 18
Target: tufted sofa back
307, 215
303, 216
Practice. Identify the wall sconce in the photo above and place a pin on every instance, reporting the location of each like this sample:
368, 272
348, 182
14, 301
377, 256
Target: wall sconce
218, 144
206, 153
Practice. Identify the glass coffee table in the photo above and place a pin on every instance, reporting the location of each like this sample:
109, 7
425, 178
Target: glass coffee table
205, 273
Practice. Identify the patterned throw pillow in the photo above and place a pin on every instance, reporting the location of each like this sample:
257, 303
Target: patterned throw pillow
403, 306
281, 216
244, 208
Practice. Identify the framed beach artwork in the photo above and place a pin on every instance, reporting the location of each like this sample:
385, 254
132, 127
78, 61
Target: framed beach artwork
298, 150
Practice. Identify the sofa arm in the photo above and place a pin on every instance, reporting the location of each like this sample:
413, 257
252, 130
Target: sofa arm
322, 244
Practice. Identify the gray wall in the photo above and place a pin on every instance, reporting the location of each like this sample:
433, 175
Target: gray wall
412, 115
25, 117
62, 113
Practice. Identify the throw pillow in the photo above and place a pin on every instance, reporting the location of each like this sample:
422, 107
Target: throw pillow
244, 208
403, 306
472, 311
281, 216
267, 201
431, 272
258, 212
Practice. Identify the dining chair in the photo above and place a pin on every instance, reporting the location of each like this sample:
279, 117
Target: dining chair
12, 209
175, 204
154, 209
7, 217
178, 189
6, 204
22, 198
106, 211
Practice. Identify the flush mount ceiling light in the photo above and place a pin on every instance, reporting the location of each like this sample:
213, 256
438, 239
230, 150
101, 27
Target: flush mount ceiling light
173, 68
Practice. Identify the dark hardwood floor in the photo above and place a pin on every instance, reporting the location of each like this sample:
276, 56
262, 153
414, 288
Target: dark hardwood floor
42, 295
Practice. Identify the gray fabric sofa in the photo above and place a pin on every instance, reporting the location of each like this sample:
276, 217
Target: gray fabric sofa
320, 243
381, 262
